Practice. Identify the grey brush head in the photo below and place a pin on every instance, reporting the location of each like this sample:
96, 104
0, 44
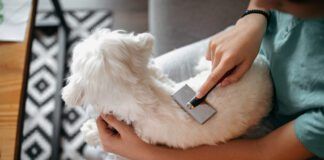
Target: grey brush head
201, 113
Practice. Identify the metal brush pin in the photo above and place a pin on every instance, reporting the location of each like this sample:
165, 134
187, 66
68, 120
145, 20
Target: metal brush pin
196, 107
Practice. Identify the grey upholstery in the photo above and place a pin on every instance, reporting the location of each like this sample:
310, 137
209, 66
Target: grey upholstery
176, 23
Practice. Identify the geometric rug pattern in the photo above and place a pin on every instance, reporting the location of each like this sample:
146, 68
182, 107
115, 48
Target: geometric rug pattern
42, 86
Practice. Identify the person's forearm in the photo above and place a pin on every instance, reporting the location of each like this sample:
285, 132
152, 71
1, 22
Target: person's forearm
278, 145
237, 149
254, 5
256, 21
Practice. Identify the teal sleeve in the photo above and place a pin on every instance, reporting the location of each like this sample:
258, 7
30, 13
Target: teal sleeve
309, 129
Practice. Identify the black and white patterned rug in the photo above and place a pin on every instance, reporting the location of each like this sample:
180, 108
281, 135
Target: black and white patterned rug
42, 84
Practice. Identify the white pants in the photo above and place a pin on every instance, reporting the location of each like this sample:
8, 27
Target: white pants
179, 64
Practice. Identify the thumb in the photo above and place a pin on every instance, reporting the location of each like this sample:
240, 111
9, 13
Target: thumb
121, 127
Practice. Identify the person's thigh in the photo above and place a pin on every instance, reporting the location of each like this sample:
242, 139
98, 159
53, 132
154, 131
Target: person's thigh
179, 64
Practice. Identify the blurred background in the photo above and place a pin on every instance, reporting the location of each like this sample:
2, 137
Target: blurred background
51, 130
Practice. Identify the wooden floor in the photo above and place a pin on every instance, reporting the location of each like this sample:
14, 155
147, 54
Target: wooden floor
12, 69
12, 62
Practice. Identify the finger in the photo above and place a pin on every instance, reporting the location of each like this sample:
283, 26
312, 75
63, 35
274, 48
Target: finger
212, 54
105, 133
236, 75
207, 55
213, 78
210, 51
121, 127
216, 58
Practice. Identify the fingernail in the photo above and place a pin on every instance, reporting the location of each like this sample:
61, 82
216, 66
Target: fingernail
198, 95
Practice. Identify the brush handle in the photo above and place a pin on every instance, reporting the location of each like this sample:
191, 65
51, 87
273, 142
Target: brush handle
196, 101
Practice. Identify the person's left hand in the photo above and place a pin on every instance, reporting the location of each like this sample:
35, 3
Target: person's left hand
125, 143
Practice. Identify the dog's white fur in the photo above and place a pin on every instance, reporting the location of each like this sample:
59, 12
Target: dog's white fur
111, 71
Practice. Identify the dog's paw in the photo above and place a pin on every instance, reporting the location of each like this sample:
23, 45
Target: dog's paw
89, 131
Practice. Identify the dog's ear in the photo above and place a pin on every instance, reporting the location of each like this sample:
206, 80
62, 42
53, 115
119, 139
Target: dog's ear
72, 94
145, 41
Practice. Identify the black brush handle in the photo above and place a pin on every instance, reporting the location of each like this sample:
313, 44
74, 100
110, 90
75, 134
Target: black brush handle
196, 101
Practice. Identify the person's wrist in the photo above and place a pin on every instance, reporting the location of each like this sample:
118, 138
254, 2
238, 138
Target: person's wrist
146, 152
252, 20
265, 14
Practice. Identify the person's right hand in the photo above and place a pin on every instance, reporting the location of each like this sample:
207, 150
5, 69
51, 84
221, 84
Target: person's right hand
234, 49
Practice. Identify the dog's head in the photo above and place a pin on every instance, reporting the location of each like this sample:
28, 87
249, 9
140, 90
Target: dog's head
105, 63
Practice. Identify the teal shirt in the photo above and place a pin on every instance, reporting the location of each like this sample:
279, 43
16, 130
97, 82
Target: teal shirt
295, 52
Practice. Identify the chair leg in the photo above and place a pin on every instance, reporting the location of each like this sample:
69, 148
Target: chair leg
60, 15
63, 33
57, 113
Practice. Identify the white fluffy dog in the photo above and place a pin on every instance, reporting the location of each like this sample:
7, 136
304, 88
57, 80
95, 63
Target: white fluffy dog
111, 71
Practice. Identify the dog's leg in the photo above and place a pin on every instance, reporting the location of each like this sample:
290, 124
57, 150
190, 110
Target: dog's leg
89, 131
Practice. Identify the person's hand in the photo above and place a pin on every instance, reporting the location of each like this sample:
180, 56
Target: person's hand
125, 143
233, 50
